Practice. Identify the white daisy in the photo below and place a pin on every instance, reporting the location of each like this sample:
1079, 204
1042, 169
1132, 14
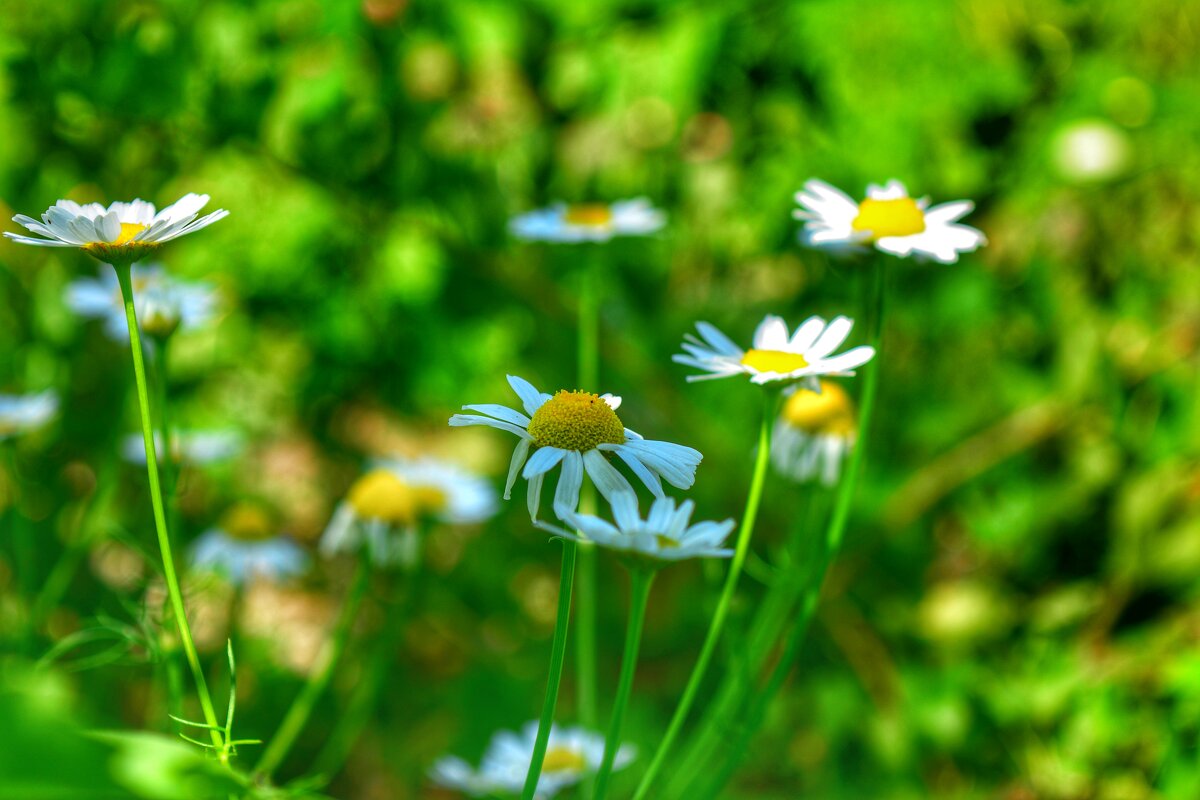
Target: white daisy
386, 506
663, 536
888, 219
162, 302
814, 434
245, 544
589, 222
120, 234
775, 356
578, 429
571, 755
188, 447
20, 413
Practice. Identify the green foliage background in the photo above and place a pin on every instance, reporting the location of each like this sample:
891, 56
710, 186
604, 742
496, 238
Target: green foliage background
1015, 614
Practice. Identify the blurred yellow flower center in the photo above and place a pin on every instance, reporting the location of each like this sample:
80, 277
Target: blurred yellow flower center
773, 361
576, 421
665, 542
810, 411
382, 495
592, 215
248, 522
563, 759
900, 216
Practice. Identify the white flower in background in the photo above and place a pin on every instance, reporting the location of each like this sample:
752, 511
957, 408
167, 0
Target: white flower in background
120, 234
664, 535
188, 447
20, 413
888, 219
1091, 151
571, 755
775, 356
160, 301
578, 430
245, 544
386, 506
589, 222
814, 434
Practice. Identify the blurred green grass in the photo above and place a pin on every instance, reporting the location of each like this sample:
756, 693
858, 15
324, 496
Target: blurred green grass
1015, 614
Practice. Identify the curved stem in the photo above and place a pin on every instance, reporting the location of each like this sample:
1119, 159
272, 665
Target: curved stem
588, 377
557, 650
327, 661
832, 542
722, 610
124, 278
639, 592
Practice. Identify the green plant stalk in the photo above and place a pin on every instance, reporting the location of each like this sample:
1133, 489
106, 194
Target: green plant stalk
640, 580
715, 627
124, 278
832, 541
318, 680
171, 468
588, 365
557, 651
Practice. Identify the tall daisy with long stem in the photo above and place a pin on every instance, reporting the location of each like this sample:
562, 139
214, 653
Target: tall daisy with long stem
120, 235
591, 224
777, 359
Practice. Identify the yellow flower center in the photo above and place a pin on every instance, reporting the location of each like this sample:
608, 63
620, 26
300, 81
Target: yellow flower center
665, 542
563, 759
576, 421
248, 522
128, 231
590, 215
773, 361
900, 216
810, 411
382, 495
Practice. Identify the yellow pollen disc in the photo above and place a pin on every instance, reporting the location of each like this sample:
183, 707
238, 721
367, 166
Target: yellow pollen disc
248, 522
562, 759
773, 361
128, 231
576, 421
665, 542
381, 494
592, 215
811, 412
900, 216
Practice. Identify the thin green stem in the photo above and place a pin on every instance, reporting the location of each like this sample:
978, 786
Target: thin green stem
318, 681
640, 581
557, 651
834, 534
160, 520
723, 603
171, 467
588, 378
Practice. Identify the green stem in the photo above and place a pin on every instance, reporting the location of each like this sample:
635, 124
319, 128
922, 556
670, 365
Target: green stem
640, 581
318, 681
170, 466
722, 610
588, 365
557, 651
160, 520
832, 542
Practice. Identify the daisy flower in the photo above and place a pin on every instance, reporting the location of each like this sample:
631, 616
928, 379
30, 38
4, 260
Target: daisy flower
20, 413
662, 537
245, 544
888, 219
120, 234
571, 755
775, 356
814, 434
187, 447
162, 303
589, 222
386, 506
578, 430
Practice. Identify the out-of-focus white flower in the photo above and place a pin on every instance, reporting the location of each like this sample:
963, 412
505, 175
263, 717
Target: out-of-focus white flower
887, 219
188, 447
814, 434
589, 222
571, 755
246, 544
162, 302
775, 356
20, 413
120, 234
578, 429
1091, 151
385, 507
